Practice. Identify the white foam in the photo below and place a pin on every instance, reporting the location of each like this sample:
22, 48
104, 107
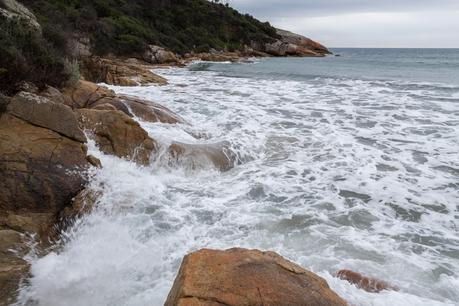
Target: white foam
338, 174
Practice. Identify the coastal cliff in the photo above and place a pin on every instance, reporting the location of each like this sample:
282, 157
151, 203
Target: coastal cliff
50, 55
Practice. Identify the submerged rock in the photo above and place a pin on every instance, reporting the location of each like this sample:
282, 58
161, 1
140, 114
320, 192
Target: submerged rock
364, 282
247, 277
196, 155
116, 133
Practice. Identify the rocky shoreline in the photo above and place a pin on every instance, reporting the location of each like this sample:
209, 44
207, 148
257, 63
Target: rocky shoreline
44, 173
42, 138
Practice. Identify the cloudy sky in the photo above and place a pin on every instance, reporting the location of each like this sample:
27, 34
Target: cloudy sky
363, 23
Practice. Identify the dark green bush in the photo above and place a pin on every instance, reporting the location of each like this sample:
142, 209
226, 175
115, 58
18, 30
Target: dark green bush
26, 56
123, 27
118, 27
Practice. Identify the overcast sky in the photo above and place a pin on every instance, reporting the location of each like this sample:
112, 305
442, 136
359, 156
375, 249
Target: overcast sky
363, 23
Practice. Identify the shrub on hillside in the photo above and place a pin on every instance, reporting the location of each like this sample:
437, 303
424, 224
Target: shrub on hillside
26, 56
126, 27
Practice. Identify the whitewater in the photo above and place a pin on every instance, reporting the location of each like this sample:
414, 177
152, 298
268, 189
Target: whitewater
333, 172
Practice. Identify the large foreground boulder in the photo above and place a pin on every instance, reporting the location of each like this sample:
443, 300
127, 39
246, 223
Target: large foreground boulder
302, 42
239, 277
43, 164
40, 172
118, 134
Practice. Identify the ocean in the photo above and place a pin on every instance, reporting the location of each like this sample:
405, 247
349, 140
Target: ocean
345, 162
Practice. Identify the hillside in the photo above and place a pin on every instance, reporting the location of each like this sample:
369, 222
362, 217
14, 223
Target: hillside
41, 41
123, 27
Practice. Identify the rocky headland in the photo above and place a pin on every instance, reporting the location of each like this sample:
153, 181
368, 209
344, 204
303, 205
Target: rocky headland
44, 130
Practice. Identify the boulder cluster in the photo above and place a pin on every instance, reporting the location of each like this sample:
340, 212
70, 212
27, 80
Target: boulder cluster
44, 177
44, 160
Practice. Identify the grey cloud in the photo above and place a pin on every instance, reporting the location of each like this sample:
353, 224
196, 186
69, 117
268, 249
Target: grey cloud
286, 8
363, 23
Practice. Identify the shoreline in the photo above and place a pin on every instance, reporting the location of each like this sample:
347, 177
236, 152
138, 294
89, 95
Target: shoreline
87, 107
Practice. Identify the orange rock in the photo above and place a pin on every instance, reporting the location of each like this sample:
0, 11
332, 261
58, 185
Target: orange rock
86, 94
119, 72
118, 134
239, 277
364, 282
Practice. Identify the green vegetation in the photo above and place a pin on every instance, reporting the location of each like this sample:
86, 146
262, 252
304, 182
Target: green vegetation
120, 27
124, 27
26, 56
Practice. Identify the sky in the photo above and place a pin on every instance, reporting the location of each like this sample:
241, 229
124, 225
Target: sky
363, 23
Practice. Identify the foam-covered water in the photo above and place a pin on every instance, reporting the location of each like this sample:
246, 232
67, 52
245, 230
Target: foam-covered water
335, 172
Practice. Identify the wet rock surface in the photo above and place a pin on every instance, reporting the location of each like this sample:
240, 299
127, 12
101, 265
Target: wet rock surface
40, 168
366, 283
219, 155
40, 172
247, 277
118, 134
89, 95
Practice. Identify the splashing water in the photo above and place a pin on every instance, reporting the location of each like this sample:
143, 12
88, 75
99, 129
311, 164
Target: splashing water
335, 173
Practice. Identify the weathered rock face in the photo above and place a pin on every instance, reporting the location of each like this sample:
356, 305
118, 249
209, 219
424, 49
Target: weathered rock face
280, 48
150, 111
117, 72
239, 277
40, 172
42, 167
159, 55
79, 45
89, 95
195, 156
301, 41
41, 111
219, 56
12, 266
84, 94
291, 44
364, 282
116, 133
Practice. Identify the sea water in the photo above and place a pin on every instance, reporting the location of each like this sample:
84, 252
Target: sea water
347, 162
